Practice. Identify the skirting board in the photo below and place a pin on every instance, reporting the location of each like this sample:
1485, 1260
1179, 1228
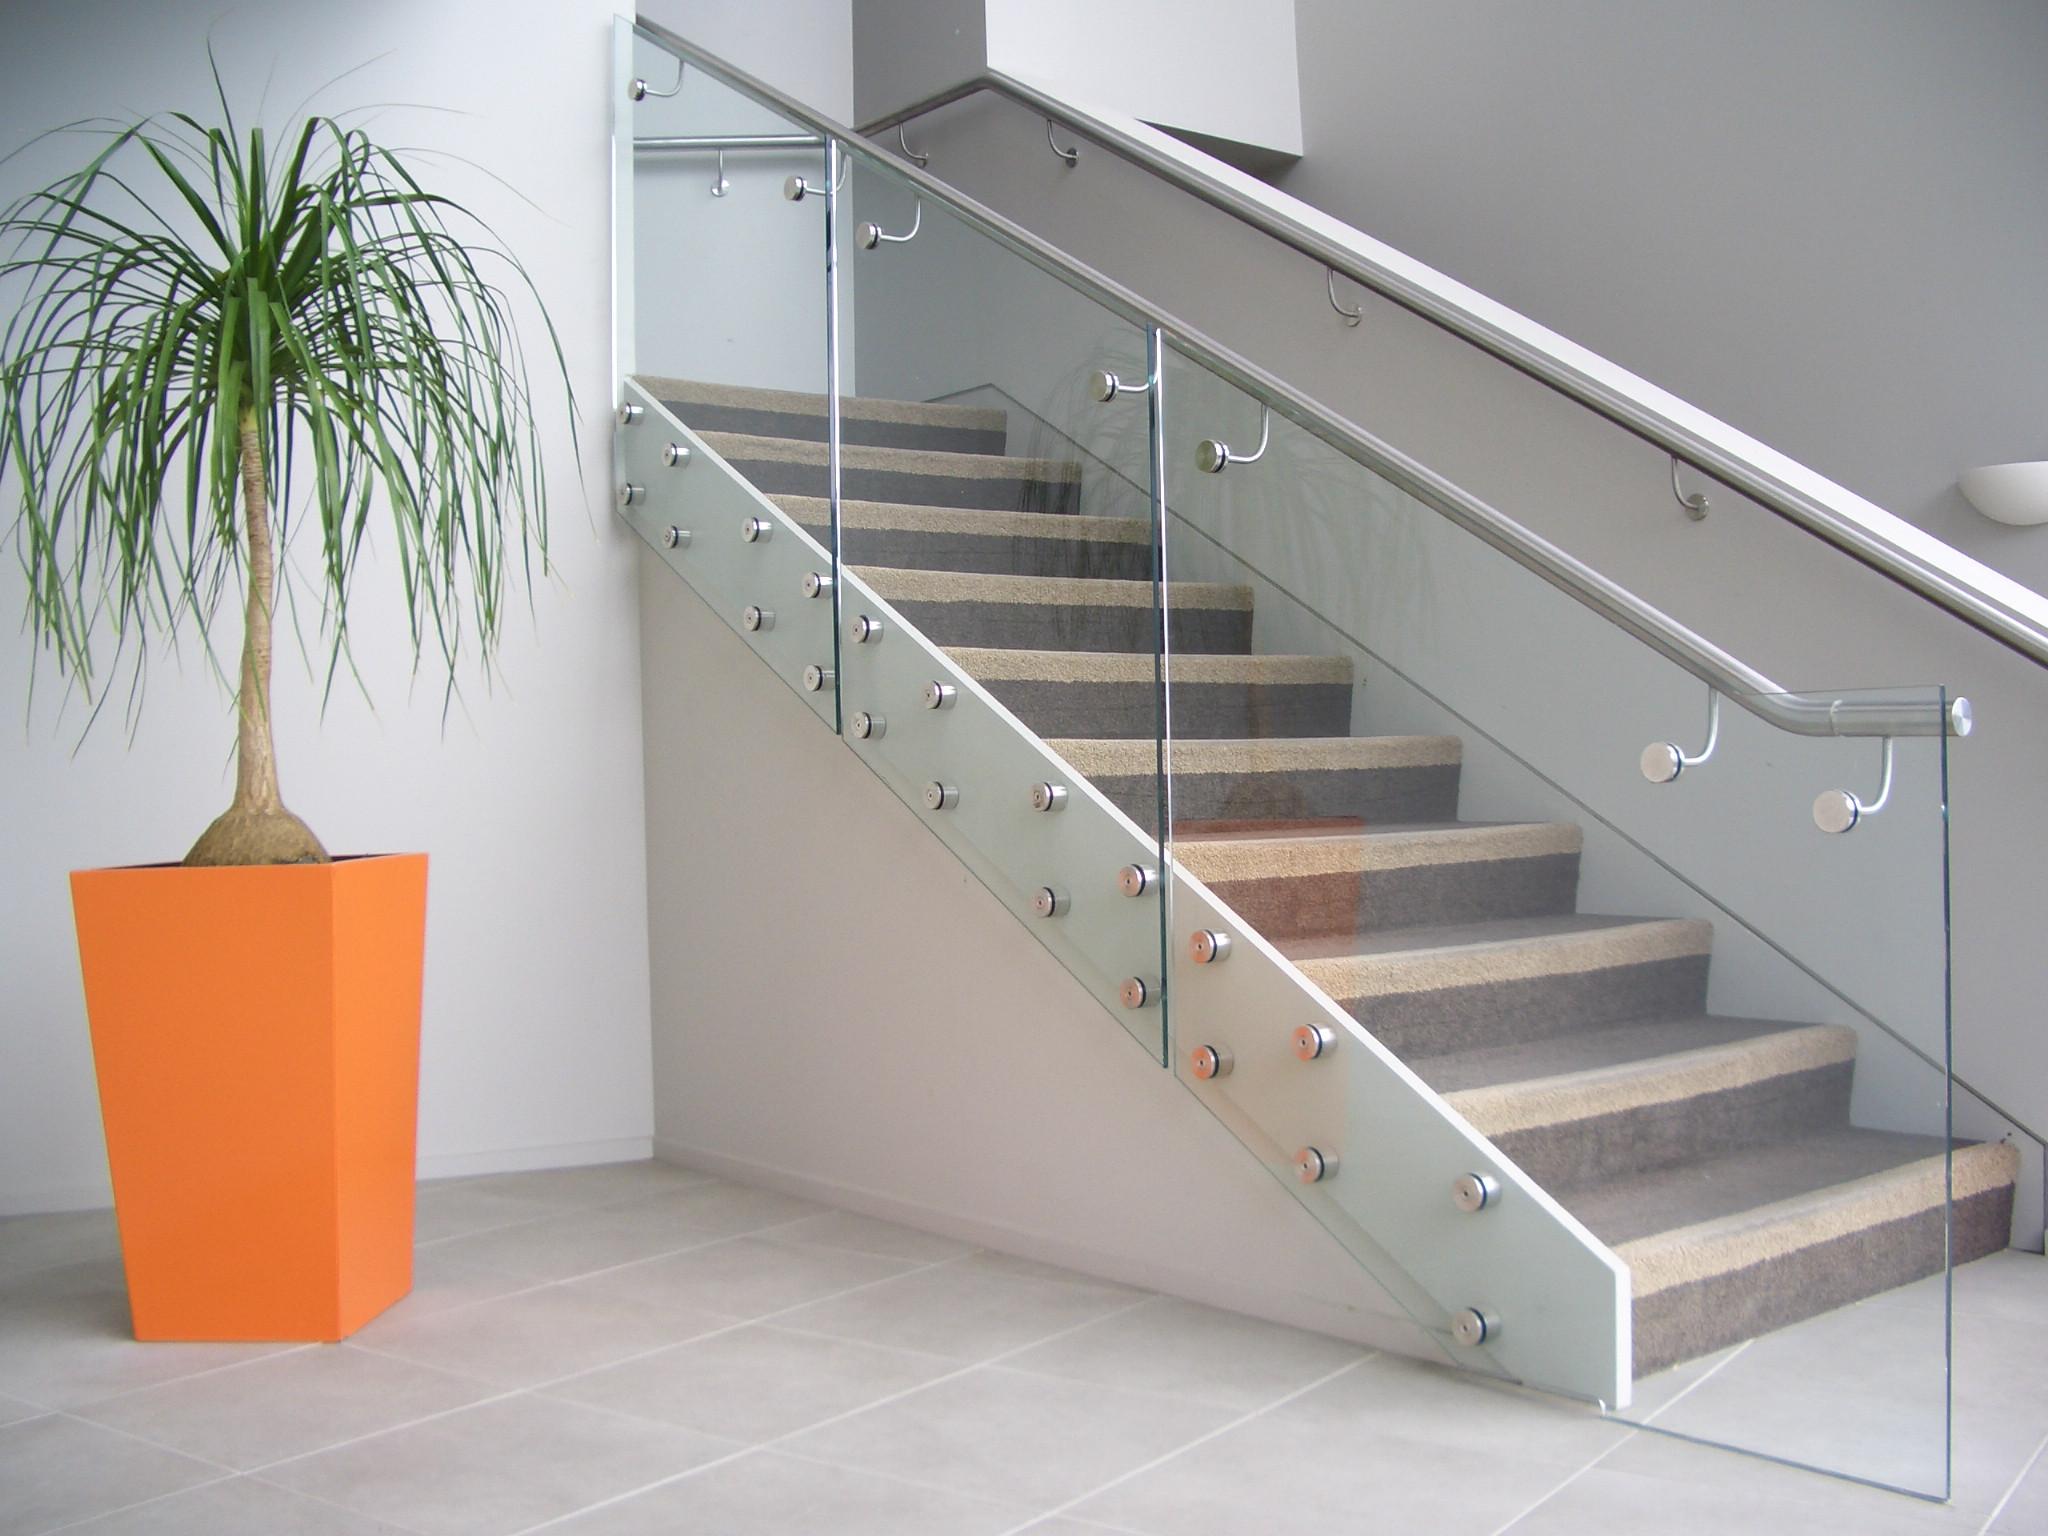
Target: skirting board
1372, 1329
568, 1154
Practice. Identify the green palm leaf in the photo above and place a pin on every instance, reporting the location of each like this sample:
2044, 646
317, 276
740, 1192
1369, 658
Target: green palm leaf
182, 358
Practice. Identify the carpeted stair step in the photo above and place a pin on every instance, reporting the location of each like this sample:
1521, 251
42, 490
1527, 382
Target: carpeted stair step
1436, 991
1098, 693
1313, 883
1280, 779
1609, 1103
869, 422
1732, 1247
920, 477
963, 539
1066, 613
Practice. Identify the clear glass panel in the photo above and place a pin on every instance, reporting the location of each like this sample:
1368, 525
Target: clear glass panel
998, 562
724, 343
1677, 1009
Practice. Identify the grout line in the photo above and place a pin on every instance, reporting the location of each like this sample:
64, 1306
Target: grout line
1181, 1450
1999, 1508
924, 1386
1705, 1376
102, 1514
1628, 1435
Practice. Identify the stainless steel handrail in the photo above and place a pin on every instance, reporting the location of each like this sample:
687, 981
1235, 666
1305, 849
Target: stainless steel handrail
1803, 715
1973, 606
687, 144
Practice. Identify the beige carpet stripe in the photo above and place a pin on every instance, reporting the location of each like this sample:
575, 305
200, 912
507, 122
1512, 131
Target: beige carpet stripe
993, 665
911, 586
816, 512
906, 461
1116, 757
1736, 1242
1290, 858
1571, 1097
1475, 965
851, 407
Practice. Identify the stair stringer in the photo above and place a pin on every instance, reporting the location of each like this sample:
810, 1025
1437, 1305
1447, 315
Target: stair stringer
1558, 1299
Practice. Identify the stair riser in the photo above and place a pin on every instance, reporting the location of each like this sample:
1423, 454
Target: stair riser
1314, 906
1199, 709
1686, 1321
1372, 794
806, 428
985, 493
1415, 1024
1049, 627
1683, 1131
915, 550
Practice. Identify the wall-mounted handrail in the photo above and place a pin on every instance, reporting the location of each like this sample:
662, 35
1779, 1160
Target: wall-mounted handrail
1802, 715
1954, 594
704, 142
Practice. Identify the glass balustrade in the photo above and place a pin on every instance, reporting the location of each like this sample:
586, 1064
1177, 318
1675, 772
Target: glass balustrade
1591, 991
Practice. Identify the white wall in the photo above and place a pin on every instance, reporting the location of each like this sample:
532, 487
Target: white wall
1822, 221
529, 801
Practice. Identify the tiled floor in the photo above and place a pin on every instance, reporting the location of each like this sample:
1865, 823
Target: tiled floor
636, 1349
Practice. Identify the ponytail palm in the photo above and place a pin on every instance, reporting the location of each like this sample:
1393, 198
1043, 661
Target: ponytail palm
201, 324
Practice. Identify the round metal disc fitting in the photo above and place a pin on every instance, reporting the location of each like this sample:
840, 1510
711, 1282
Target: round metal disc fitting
753, 618
1836, 810
1208, 946
629, 414
1135, 992
676, 455
868, 727
1210, 1061
1662, 762
676, 538
1961, 719
816, 584
864, 630
1135, 879
1211, 456
1472, 1327
1474, 1191
868, 236
1102, 386
1313, 1040
1312, 1165
816, 677
938, 695
795, 188
941, 797
757, 530
632, 495
1050, 901
1048, 797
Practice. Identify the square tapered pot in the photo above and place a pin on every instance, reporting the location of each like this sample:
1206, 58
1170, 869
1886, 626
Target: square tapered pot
256, 1035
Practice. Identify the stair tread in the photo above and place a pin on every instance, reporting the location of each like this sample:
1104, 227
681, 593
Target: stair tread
797, 403
1588, 1051
1667, 1077
1255, 855
1692, 1222
936, 463
901, 585
987, 663
1576, 940
1122, 757
1068, 528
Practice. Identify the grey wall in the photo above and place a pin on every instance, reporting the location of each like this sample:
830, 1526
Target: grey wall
1824, 221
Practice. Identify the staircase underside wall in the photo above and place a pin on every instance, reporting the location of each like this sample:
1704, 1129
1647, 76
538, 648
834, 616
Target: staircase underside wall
842, 1011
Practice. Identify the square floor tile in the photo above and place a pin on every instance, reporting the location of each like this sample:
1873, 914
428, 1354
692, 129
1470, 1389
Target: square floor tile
1010, 1436
13, 1410
284, 1406
865, 1234
754, 1383
969, 1309
240, 1506
745, 1276
592, 1184
55, 1470
498, 1467
1187, 1350
769, 1495
538, 1335
1693, 1473
1608, 1500
2026, 1511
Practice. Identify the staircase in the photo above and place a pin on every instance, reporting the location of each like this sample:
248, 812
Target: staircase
1714, 1156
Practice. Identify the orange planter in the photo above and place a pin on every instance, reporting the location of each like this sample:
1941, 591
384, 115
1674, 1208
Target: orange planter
256, 1034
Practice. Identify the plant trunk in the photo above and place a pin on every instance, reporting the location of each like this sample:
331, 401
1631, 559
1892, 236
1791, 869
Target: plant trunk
256, 829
